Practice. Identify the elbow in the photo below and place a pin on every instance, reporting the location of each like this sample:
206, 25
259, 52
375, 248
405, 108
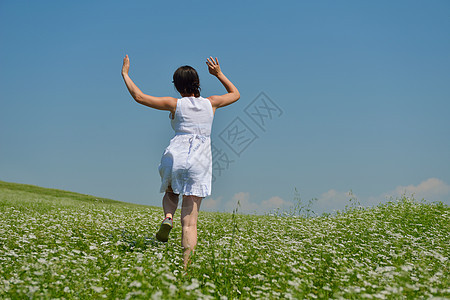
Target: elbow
238, 96
138, 98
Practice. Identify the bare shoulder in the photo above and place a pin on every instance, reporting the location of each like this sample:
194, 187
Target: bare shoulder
224, 100
169, 99
169, 103
172, 104
162, 103
172, 100
214, 100
211, 99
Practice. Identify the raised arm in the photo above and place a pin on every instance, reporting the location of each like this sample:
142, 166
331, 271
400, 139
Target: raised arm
162, 103
233, 93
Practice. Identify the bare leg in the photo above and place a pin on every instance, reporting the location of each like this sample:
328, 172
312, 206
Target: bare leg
189, 215
170, 203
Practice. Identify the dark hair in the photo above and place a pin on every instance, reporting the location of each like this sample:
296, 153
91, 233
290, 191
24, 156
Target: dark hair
186, 81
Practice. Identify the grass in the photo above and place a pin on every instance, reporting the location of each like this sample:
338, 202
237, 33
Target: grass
59, 244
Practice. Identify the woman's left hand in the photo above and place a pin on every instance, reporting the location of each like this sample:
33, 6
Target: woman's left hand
126, 65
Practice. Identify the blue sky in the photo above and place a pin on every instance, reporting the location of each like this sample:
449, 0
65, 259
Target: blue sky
363, 89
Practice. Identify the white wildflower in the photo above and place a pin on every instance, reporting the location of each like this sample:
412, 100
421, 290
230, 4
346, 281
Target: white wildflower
135, 284
97, 289
193, 285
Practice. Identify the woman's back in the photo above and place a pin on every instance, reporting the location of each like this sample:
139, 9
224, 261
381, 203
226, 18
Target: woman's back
193, 115
186, 165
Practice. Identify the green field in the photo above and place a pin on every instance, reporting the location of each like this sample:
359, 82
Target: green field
58, 244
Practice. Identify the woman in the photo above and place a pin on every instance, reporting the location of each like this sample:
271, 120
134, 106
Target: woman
186, 165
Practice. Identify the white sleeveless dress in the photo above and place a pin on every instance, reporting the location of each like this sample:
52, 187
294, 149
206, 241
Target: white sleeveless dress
186, 164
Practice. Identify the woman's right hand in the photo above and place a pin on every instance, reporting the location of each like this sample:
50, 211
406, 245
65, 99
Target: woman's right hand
213, 66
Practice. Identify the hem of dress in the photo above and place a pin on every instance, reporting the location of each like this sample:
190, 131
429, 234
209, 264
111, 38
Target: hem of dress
202, 193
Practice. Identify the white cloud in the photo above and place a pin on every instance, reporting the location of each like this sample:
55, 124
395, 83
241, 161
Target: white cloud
211, 204
244, 203
274, 203
432, 189
428, 189
247, 206
333, 200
